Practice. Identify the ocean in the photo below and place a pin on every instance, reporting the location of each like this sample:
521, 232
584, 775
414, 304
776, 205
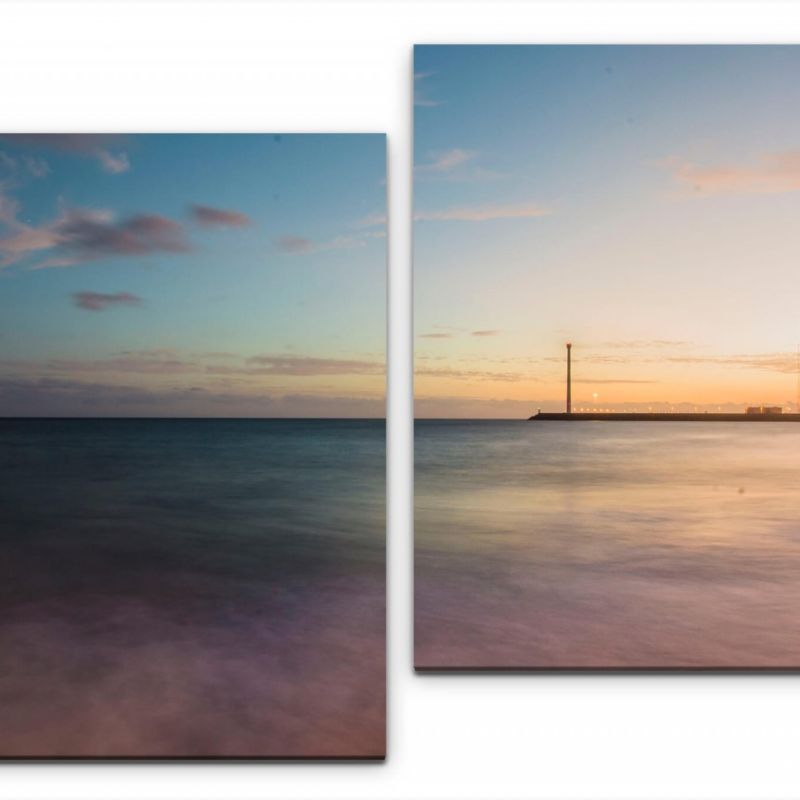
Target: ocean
607, 545
188, 588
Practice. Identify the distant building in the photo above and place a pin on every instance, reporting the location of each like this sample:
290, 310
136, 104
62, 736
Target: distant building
764, 410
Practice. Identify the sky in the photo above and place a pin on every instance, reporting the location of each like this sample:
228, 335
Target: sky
192, 275
640, 202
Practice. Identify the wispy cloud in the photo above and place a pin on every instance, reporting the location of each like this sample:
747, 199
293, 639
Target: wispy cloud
419, 92
151, 365
470, 374
209, 217
774, 362
372, 220
32, 166
168, 361
56, 396
610, 380
151, 352
641, 344
308, 365
302, 246
295, 245
97, 301
773, 173
9, 208
447, 161
450, 334
88, 145
483, 213
37, 167
783, 362
113, 164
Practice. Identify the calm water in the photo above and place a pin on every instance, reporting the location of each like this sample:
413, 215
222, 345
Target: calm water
611, 544
189, 588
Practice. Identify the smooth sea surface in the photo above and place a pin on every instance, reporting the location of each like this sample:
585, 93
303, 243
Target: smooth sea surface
607, 544
192, 588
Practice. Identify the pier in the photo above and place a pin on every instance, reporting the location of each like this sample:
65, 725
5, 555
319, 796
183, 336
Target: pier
658, 416
752, 414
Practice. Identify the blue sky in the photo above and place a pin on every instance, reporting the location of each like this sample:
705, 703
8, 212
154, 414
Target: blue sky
612, 196
224, 275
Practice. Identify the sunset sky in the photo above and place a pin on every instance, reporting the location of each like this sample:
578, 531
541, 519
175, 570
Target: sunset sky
641, 202
199, 275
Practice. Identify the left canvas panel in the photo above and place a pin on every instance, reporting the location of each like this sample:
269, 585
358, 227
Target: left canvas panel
192, 446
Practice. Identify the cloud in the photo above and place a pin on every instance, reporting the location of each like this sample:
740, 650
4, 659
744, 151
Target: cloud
152, 352
113, 164
148, 365
641, 344
372, 220
97, 301
88, 145
773, 362
209, 217
773, 173
610, 380
8, 164
483, 213
91, 236
25, 241
447, 161
79, 235
295, 245
454, 331
419, 99
301, 245
307, 365
216, 354
470, 374
167, 361
30, 165
782, 362
37, 167
49, 397
9, 208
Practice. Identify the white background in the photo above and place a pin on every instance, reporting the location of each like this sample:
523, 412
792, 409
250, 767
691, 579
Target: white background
264, 65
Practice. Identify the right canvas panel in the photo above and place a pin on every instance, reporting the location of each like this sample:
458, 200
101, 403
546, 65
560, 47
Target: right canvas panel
607, 362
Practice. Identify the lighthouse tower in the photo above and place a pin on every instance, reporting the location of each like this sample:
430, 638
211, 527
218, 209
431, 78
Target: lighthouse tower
569, 377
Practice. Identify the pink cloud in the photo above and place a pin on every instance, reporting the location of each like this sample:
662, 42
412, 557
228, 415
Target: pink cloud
92, 145
447, 161
300, 245
482, 213
308, 365
97, 301
79, 235
216, 217
774, 173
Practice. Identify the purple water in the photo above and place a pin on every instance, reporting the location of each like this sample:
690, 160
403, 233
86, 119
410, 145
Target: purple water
600, 544
192, 588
